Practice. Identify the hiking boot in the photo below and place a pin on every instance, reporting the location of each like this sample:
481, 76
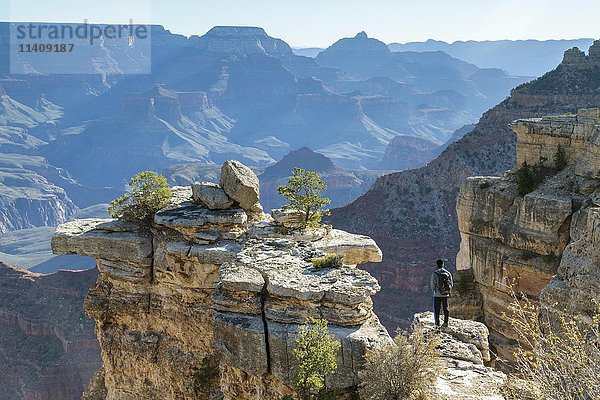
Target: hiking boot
445, 324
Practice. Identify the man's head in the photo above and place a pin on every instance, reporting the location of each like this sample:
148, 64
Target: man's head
440, 263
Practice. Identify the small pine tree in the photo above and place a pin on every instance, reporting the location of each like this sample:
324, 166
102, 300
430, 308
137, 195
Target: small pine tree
303, 192
315, 352
149, 192
525, 180
560, 159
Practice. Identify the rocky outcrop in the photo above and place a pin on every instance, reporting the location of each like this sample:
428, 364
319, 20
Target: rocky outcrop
538, 140
577, 58
48, 349
540, 243
356, 249
464, 354
216, 285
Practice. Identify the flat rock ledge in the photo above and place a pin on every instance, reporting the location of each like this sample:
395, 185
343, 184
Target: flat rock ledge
464, 351
104, 238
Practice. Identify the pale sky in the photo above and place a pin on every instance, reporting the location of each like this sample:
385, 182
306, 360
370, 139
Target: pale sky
321, 22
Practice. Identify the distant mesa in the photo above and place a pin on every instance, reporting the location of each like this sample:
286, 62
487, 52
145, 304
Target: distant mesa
303, 158
489, 73
243, 40
236, 31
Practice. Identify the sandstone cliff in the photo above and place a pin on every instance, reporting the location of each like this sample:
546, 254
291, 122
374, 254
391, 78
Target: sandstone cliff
544, 243
226, 287
412, 214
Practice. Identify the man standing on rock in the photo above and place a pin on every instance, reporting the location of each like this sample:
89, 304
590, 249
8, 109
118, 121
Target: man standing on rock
441, 286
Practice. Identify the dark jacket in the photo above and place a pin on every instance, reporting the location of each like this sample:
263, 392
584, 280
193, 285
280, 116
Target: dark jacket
433, 283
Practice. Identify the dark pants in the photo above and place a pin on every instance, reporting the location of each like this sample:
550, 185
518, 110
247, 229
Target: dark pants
439, 302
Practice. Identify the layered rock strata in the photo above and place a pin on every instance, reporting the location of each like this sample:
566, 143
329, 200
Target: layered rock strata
542, 244
574, 289
204, 286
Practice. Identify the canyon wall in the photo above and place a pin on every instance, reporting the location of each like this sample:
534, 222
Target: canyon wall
412, 214
542, 243
47, 345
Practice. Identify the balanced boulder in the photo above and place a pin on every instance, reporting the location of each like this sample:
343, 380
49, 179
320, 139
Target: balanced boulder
242, 185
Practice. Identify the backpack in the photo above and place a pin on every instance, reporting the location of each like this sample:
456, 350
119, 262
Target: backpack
444, 282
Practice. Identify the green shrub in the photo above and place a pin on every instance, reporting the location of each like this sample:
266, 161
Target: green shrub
330, 260
560, 159
405, 369
525, 182
530, 177
315, 351
149, 192
303, 192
